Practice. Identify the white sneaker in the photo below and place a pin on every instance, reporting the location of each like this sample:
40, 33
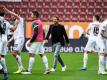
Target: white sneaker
47, 71
52, 69
18, 71
102, 72
64, 68
26, 72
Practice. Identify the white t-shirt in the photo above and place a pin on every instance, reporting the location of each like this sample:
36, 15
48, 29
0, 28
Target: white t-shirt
19, 32
93, 30
6, 26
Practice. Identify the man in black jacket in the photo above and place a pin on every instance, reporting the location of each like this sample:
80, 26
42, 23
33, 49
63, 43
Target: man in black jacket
58, 37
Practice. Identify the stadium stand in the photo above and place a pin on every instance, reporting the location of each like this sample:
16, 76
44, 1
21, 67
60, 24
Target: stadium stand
69, 10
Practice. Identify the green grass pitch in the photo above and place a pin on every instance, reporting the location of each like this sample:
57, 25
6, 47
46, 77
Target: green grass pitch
73, 72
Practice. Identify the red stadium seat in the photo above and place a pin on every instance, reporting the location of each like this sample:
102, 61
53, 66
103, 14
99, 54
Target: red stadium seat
83, 4
47, 4
39, 4
83, 17
45, 18
33, 1
25, 0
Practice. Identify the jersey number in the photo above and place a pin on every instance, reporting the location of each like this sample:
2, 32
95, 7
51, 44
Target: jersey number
96, 30
4, 26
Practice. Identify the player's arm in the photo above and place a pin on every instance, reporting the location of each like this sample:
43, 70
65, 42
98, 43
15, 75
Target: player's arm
65, 35
86, 33
104, 33
10, 12
11, 39
48, 34
15, 25
35, 28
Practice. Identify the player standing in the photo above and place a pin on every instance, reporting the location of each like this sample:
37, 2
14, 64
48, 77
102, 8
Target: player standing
95, 39
36, 43
18, 37
104, 34
4, 26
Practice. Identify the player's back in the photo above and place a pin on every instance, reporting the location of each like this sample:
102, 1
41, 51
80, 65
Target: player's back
19, 32
5, 26
94, 28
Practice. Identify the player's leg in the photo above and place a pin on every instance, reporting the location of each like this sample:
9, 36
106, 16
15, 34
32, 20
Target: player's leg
101, 69
3, 47
57, 57
32, 52
44, 59
1, 69
106, 54
88, 47
16, 53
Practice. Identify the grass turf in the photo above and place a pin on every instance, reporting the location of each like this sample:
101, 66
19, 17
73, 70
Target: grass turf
73, 72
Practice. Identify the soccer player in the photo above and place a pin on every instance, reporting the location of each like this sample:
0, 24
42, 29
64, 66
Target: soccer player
4, 26
1, 69
95, 39
104, 34
18, 37
58, 37
36, 43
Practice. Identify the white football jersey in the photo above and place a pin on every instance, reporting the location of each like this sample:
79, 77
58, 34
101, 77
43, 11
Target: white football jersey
104, 25
19, 32
6, 26
94, 30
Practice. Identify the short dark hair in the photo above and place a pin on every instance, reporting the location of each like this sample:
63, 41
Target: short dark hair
97, 17
2, 13
56, 16
36, 13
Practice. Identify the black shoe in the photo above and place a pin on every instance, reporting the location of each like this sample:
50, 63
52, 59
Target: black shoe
1, 71
5, 76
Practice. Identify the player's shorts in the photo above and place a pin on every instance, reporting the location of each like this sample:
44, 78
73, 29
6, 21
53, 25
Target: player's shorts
3, 47
18, 44
36, 48
105, 42
90, 45
101, 45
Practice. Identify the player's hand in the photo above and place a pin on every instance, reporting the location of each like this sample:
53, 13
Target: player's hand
8, 43
68, 44
46, 41
29, 44
4, 8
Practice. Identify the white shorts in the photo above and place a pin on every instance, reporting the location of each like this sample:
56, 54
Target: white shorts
3, 47
105, 42
18, 44
101, 45
36, 48
91, 44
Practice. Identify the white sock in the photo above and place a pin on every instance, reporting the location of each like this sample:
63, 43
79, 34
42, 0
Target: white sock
45, 61
101, 63
31, 62
1, 67
3, 64
85, 59
19, 61
106, 62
